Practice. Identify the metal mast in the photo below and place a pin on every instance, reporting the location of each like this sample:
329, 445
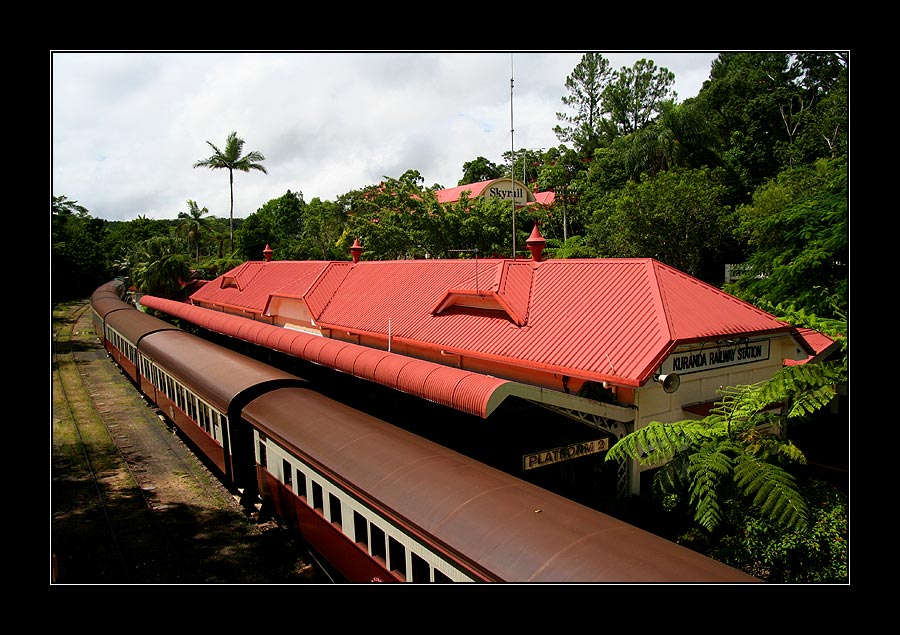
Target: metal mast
512, 156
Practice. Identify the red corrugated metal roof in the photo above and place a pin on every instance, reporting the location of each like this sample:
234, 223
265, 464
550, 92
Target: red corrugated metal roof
251, 284
820, 344
596, 319
603, 320
452, 194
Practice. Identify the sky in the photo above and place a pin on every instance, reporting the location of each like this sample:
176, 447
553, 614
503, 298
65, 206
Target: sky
128, 126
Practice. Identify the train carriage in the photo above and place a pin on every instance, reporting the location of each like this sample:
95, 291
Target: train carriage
201, 387
106, 299
123, 332
385, 504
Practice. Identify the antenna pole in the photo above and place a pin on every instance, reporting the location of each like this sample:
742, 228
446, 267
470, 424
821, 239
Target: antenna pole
512, 157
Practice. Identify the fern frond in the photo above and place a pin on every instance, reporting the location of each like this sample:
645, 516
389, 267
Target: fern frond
738, 408
772, 489
670, 478
786, 449
654, 443
708, 468
807, 387
659, 442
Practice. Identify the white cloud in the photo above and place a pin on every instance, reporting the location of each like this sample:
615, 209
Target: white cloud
127, 127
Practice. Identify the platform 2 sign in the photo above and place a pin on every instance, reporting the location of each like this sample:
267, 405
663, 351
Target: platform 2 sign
564, 453
707, 358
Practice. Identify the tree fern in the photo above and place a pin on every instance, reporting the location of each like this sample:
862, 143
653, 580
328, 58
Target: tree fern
741, 445
772, 489
737, 444
709, 467
657, 443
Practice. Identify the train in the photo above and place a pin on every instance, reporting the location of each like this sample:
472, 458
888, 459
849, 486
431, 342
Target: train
375, 502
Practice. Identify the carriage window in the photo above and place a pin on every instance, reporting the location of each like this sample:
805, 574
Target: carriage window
318, 498
334, 506
420, 569
301, 484
441, 577
398, 557
262, 455
359, 528
286, 470
378, 546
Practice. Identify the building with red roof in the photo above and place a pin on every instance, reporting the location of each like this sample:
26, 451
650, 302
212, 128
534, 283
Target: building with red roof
612, 343
503, 188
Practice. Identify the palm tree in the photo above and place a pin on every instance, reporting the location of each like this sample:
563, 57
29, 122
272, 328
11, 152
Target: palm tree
230, 158
193, 224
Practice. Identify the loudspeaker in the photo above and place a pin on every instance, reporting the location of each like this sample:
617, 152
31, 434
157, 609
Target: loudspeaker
670, 382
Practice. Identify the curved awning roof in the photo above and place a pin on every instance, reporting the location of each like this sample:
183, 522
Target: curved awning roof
471, 392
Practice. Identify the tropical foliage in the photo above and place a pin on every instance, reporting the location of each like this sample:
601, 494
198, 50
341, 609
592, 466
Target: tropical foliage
160, 268
193, 225
739, 449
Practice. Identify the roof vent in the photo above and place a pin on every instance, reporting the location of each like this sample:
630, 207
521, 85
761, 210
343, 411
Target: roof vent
536, 243
267, 253
356, 250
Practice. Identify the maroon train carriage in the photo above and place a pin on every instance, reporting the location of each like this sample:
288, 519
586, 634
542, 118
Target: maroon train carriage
113, 288
123, 331
382, 504
201, 387
106, 299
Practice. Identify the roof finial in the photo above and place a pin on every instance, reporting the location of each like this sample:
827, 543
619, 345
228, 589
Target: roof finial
267, 252
536, 243
356, 250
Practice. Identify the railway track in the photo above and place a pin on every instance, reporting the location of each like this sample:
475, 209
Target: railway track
130, 503
96, 484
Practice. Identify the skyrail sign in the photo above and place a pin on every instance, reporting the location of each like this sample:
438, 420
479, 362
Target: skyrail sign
565, 453
507, 190
719, 356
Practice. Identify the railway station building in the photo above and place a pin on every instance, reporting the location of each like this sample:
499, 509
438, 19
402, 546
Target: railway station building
598, 347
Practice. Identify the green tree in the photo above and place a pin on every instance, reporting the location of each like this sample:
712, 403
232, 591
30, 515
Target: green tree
386, 218
280, 223
679, 137
122, 240
324, 223
572, 247
585, 128
478, 170
230, 158
160, 269
797, 232
677, 217
77, 260
258, 230
748, 100
635, 95
819, 112
193, 225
